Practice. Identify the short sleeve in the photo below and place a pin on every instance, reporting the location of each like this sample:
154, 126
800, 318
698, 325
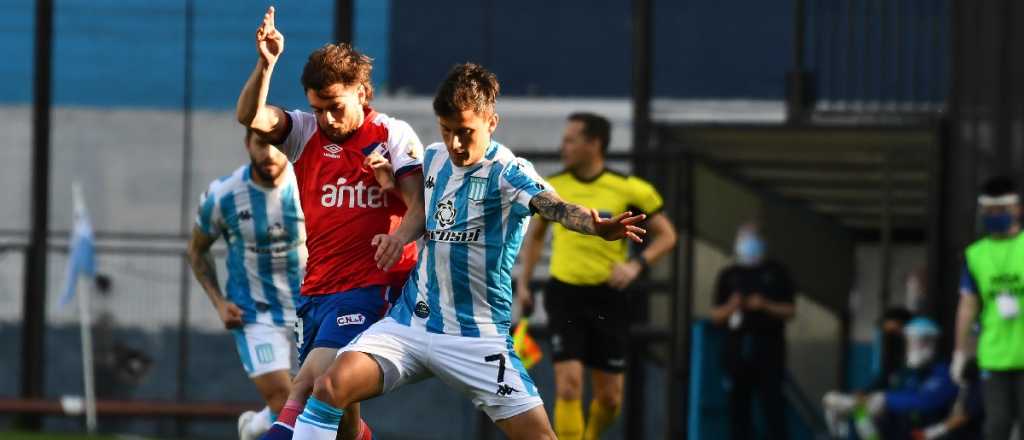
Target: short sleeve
404, 148
644, 197
208, 218
967, 284
302, 127
520, 183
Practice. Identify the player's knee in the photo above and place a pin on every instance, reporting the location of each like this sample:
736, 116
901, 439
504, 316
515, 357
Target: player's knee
611, 399
331, 389
609, 395
569, 387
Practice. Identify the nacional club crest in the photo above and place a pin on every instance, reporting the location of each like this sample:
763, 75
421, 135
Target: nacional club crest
445, 214
477, 188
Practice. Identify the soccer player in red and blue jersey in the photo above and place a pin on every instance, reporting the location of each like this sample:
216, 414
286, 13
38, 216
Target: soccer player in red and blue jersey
358, 171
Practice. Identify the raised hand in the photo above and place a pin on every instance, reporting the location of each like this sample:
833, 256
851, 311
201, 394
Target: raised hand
619, 227
269, 42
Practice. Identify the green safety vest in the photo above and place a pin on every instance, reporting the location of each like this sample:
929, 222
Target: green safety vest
998, 266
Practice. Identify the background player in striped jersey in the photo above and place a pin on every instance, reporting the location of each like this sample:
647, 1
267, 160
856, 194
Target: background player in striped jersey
455, 312
256, 210
357, 170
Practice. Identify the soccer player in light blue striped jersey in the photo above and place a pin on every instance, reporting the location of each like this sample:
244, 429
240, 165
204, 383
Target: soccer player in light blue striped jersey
256, 210
453, 318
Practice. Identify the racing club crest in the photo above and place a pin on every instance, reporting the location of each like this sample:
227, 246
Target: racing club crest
477, 188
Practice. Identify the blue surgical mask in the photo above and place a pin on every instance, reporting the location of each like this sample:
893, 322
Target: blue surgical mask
749, 250
997, 223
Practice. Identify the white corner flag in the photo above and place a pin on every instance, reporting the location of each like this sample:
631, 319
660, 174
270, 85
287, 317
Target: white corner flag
82, 254
82, 261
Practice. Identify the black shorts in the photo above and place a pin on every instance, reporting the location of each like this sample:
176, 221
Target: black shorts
589, 324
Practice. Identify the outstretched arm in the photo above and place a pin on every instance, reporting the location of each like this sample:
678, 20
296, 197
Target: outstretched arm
585, 220
252, 110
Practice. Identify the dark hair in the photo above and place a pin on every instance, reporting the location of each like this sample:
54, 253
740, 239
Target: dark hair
337, 63
249, 133
468, 87
594, 127
998, 186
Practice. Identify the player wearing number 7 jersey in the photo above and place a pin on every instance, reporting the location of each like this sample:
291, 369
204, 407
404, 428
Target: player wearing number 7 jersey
453, 319
357, 171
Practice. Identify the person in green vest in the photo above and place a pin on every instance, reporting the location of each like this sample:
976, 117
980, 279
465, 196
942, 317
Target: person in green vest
991, 287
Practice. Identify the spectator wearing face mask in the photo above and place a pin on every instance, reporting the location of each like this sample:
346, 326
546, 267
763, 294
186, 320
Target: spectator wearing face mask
991, 287
919, 397
753, 300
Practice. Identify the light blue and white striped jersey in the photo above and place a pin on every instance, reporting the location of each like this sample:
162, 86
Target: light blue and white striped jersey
266, 237
476, 218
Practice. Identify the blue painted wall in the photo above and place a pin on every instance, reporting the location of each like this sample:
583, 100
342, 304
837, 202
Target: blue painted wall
703, 49
130, 52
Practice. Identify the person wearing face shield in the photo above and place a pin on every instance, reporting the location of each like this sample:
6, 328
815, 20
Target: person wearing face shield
753, 300
991, 286
920, 395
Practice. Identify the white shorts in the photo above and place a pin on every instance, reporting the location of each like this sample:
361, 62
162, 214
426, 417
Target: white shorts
485, 369
266, 348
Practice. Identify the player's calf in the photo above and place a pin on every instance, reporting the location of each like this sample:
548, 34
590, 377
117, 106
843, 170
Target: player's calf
607, 403
530, 425
353, 377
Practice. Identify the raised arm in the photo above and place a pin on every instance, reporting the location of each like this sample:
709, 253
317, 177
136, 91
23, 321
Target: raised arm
252, 109
585, 220
205, 271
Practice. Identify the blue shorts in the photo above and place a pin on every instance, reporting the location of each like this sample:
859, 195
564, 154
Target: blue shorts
333, 320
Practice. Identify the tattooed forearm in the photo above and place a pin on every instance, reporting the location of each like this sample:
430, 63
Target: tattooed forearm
204, 269
203, 266
573, 217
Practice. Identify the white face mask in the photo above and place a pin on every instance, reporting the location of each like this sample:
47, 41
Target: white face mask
920, 356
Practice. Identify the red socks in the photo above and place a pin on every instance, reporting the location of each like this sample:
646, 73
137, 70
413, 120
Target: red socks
290, 412
365, 433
